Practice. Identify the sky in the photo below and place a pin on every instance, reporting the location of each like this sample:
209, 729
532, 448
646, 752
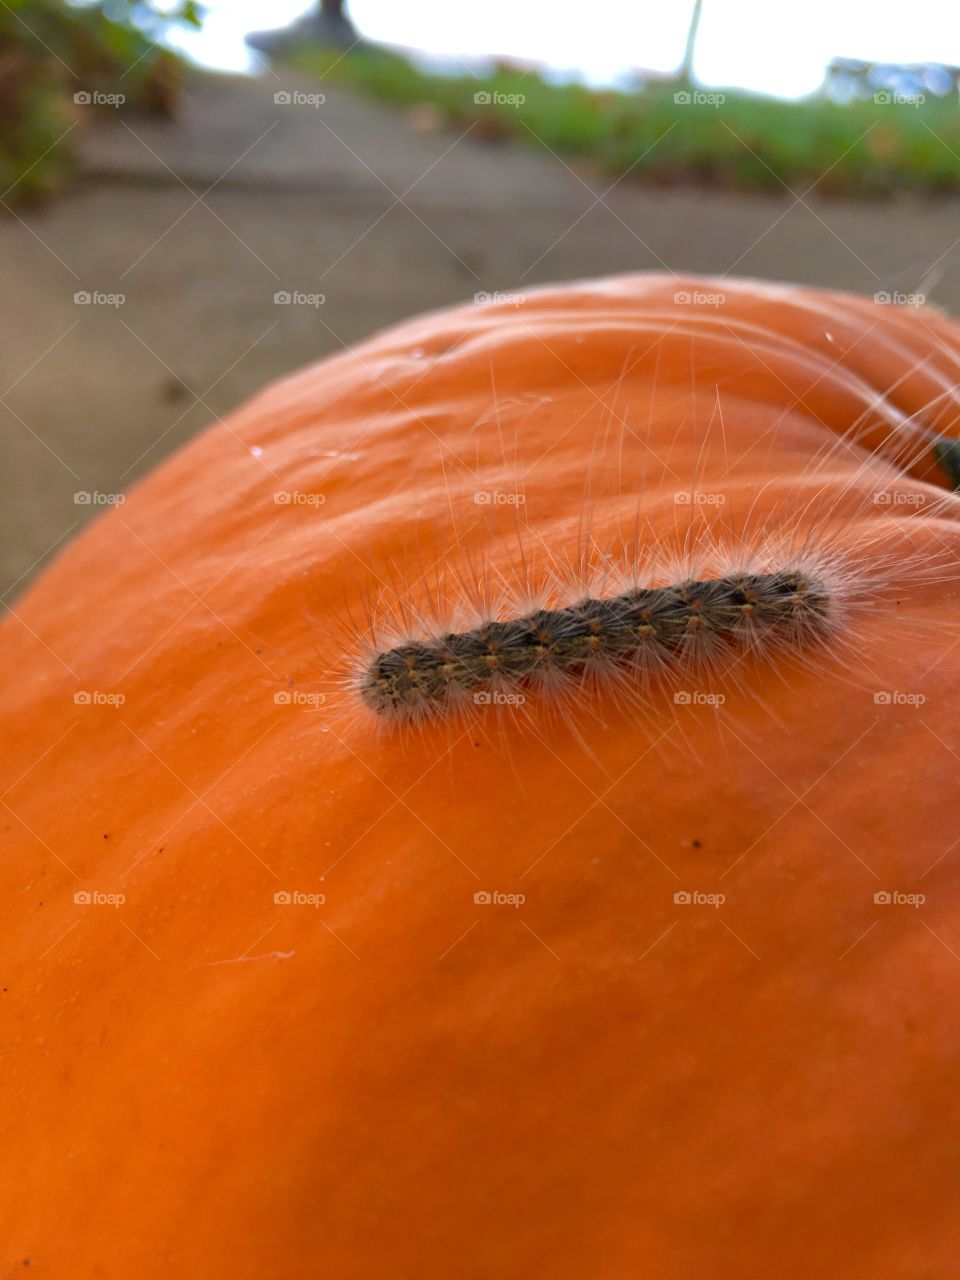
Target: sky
770, 46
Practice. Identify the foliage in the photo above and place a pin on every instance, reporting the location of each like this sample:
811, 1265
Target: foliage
51, 53
863, 149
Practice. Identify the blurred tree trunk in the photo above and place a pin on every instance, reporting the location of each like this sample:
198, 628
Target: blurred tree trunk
326, 23
686, 67
334, 25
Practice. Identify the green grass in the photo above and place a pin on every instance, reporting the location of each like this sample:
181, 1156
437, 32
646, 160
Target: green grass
747, 142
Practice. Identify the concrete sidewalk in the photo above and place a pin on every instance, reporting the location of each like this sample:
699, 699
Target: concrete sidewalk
234, 132
199, 224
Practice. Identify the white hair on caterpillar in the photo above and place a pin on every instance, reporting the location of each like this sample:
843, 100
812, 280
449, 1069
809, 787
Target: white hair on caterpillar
851, 523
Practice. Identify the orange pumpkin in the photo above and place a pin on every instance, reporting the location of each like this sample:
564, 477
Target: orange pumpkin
643, 989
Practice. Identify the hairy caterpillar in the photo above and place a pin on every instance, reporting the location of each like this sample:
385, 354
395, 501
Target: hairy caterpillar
797, 530
637, 632
688, 601
645, 624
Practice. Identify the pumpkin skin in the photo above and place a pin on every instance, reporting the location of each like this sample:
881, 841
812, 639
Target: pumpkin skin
404, 1082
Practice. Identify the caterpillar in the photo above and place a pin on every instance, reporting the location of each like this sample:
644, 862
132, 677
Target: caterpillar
639, 631
618, 574
643, 617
